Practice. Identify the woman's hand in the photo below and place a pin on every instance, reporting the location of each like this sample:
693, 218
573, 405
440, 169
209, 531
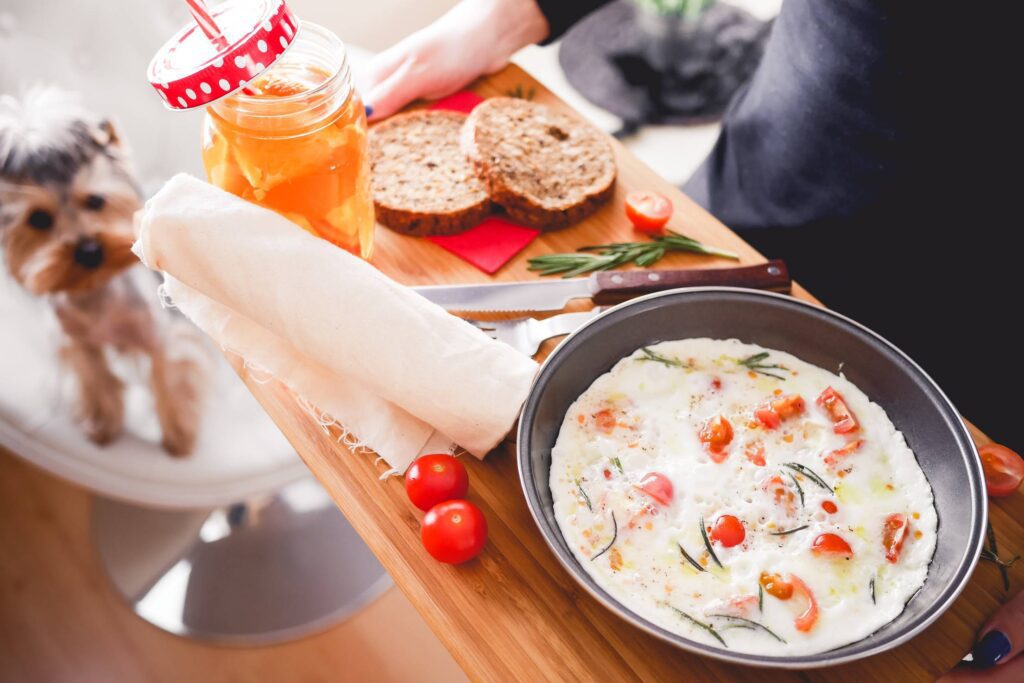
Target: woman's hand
475, 37
997, 655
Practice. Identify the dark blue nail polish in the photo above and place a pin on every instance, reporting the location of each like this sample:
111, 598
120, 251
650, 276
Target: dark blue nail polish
990, 649
369, 110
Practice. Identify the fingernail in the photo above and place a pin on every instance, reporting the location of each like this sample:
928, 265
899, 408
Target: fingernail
369, 110
993, 647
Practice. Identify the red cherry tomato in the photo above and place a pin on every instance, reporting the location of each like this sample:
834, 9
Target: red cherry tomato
789, 406
829, 507
832, 546
454, 531
728, 531
894, 532
658, 487
809, 617
1004, 469
433, 479
768, 417
843, 421
648, 211
716, 434
836, 457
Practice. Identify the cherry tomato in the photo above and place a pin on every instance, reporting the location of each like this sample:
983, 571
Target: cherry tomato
716, 434
774, 585
768, 417
454, 531
789, 406
831, 545
1004, 469
843, 421
658, 487
834, 458
894, 532
728, 531
809, 617
829, 507
433, 479
648, 211
755, 453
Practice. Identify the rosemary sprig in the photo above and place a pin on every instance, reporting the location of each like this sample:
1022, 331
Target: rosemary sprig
586, 498
871, 585
760, 598
608, 256
991, 554
658, 358
618, 464
615, 536
756, 364
799, 489
707, 542
749, 624
707, 627
696, 565
809, 473
787, 532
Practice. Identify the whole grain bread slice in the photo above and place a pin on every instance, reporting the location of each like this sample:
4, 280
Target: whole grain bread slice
422, 183
547, 169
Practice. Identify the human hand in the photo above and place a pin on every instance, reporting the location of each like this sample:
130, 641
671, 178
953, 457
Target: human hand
475, 37
997, 657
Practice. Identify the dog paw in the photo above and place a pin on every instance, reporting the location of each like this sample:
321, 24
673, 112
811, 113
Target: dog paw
179, 435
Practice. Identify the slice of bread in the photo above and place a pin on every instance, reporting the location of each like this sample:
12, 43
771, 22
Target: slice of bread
546, 169
422, 183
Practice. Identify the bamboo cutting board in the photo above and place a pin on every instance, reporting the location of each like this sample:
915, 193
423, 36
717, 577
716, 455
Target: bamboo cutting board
515, 613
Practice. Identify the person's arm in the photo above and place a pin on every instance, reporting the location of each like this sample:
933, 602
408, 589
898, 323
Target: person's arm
997, 655
475, 37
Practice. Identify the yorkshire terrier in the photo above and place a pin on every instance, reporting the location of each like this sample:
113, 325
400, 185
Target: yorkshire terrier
67, 196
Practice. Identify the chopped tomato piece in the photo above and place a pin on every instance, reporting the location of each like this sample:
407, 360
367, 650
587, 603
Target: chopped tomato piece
838, 455
716, 434
648, 211
789, 406
809, 617
728, 531
774, 585
755, 453
607, 473
1004, 469
843, 421
893, 534
658, 487
831, 545
781, 493
605, 421
768, 417
829, 507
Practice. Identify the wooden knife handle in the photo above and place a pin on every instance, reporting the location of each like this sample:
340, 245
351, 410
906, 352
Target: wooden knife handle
616, 286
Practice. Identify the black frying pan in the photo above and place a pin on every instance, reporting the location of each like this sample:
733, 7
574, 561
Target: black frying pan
932, 427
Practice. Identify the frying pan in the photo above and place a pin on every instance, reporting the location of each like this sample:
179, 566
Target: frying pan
918, 408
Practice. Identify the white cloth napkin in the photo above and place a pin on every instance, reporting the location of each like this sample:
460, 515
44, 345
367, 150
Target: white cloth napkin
398, 373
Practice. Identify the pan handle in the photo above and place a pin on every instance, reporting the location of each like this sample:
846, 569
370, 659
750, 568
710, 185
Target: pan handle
611, 287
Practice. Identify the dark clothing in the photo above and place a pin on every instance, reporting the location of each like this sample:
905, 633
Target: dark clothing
845, 155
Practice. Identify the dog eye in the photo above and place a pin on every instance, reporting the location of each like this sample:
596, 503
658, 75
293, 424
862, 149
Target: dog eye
95, 202
40, 219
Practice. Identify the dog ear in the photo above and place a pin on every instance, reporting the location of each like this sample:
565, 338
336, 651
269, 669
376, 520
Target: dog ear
105, 134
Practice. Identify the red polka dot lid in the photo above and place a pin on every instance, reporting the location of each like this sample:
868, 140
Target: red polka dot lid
195, 68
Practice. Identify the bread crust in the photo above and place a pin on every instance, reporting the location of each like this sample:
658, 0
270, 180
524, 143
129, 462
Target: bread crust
422, 184
545, 168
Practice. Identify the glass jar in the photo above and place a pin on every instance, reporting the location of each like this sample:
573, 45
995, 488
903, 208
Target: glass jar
294, 140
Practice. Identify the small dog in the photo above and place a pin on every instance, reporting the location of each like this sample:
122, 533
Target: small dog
67, 196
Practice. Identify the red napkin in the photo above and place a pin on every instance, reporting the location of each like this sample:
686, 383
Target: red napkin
494, 242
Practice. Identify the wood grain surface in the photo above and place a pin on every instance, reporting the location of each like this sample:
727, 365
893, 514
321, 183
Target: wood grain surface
515, 614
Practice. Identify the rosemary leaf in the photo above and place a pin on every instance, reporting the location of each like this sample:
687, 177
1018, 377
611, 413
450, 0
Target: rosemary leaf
618, 464
787, 532
871, 585
991, 554
809, 473
799, 489
658, 358
607, 256
707, 542
760, 598
696, 565
586, 498
615, 536
707, 627
750, 624
755, 364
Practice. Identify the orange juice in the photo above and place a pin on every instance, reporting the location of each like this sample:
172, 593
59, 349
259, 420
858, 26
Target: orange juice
295, 142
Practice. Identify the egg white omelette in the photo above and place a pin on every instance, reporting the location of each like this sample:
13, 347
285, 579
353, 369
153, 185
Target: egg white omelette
743, 498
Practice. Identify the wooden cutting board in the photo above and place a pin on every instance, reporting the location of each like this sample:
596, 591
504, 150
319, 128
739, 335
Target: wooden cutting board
515, 613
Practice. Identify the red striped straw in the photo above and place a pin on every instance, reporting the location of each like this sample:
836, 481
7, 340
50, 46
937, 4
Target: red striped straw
209, 27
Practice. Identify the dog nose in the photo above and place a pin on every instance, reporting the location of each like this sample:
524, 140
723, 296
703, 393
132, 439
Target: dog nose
89, 253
